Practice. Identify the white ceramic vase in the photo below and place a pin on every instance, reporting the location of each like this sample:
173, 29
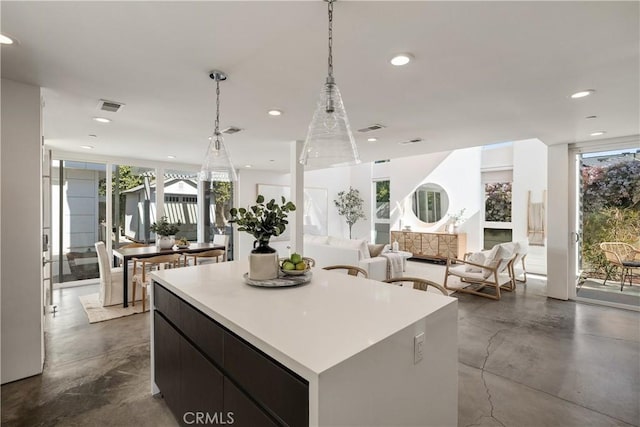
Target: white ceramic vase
165, 242
263, 262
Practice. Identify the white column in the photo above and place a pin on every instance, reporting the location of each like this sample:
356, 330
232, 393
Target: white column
296, 221
559, 276
21, 232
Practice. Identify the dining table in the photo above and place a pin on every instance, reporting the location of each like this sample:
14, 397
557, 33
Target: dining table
127, 254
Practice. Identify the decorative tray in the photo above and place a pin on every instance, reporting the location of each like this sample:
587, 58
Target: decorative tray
280, 282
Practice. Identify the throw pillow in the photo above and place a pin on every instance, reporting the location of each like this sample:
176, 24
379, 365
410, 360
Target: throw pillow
492, 260
476, 258
375, 250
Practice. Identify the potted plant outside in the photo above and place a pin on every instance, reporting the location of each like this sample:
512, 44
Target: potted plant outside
165, 232
263, 221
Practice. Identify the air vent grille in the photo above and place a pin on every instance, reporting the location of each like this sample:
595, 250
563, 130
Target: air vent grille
372, 128
231, 130
411, 141
110, 106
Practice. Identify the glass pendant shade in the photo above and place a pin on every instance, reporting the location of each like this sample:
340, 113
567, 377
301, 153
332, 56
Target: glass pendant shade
329, 139
217, 165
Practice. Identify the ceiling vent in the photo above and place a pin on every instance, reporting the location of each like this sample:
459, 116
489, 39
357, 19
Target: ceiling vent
411, 141
372, 128
110, 106
231, 130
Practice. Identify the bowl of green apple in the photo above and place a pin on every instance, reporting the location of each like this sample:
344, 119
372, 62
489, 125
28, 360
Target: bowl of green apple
295, 265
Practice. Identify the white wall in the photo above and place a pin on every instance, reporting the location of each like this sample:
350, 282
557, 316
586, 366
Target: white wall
529, 174
558, 274
246, 194
458, 172
20, 232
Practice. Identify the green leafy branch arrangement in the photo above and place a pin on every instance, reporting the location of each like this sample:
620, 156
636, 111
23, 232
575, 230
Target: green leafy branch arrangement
165, 228
263, 220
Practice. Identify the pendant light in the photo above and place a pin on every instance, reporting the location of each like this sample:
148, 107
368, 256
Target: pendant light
329, 140
217, 165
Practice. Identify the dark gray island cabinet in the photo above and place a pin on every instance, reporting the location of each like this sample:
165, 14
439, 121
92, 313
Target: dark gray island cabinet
337, 351
206, 373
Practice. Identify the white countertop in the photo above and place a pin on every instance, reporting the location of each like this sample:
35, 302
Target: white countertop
316, 325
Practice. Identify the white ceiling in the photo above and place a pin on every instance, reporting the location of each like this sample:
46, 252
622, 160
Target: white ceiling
484, 72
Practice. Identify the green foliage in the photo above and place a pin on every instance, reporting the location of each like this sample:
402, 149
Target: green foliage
617, 185
350, 205
498, 202
382, 191
611, 211
263, 220
126, 181
222, 193
165, 228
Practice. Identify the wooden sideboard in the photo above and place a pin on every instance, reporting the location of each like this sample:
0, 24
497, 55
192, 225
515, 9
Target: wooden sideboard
431, 245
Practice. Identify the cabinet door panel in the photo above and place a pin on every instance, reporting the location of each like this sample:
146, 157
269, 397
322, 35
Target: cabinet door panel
448, 246
412, 243
166, 303
272, 385
204, 332
201, 385
244, 412
430, 245
167, 361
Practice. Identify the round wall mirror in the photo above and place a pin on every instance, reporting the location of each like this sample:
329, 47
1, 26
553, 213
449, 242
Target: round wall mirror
430, 202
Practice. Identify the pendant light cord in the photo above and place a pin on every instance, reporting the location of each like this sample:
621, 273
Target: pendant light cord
216, 131
330, 7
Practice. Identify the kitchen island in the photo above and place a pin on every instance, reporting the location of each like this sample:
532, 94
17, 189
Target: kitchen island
337, 351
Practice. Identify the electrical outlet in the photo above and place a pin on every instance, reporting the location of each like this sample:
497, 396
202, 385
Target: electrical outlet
418, 347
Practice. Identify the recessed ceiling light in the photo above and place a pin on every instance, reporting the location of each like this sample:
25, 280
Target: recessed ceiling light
87, 147
372, 139
5, 39
274, 112
102, 119
598, 133
171, 157
591, 117
401, 59
93, 135
247, 166
582, 93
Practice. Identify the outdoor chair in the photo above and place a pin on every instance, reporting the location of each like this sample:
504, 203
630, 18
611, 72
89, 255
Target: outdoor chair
479, 270
624, 256
419, 284
351, 270
143, 266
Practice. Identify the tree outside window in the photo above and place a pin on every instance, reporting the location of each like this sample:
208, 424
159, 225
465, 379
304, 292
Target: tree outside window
497, 204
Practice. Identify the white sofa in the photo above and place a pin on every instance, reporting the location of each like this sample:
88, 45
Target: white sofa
330, 250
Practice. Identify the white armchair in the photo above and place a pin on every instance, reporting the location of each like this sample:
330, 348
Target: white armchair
110, 278
484, 269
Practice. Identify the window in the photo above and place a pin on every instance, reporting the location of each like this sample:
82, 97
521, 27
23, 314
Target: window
497, 202
381, 223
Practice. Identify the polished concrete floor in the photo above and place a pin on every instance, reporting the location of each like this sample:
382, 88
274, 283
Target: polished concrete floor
523, 361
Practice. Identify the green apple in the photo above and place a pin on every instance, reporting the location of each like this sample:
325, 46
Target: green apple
301, 265
287, 265
296, 258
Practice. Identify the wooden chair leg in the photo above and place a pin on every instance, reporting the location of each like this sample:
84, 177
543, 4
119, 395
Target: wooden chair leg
134, 284
144, 297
